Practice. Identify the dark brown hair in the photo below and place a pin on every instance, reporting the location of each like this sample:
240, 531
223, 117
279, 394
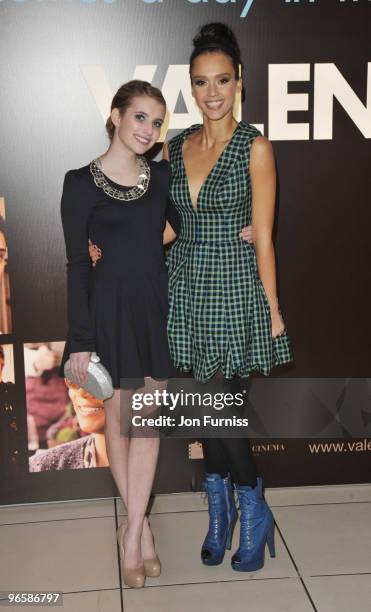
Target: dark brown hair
217, 37
124, 96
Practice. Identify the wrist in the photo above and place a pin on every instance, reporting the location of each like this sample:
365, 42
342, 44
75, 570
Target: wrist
274, 306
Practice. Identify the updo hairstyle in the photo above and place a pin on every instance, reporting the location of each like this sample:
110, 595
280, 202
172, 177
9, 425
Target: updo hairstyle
217, 37
124, 96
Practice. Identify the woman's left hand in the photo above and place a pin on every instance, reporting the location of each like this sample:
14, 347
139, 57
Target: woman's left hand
278, 326
95, 253
247, 234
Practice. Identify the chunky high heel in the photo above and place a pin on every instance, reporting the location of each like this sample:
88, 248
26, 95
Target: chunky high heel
222, 519
270, 542
134, 578
257, 530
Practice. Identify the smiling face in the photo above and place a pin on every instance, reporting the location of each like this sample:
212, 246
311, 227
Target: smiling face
89, 410
214, 85
139, 127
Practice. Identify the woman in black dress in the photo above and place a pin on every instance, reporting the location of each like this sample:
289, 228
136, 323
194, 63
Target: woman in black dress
225, 320
119, 309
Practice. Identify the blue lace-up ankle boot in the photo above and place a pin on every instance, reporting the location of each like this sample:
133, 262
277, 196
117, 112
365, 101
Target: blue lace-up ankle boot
222, 519
257, 529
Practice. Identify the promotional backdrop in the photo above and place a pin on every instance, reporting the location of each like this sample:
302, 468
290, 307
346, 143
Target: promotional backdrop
307, 76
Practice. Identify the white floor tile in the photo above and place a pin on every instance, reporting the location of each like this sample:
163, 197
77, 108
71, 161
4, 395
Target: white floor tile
90, 601
281, 595
74, 555
291, 496
284, 496
71, 547
93, 601
30, 513
178, 540
341, 593
328, 539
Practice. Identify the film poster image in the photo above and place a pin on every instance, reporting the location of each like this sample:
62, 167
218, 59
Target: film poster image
65, 424
9, 426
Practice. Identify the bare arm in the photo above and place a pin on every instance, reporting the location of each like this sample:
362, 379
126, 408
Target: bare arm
263, 181
169, 235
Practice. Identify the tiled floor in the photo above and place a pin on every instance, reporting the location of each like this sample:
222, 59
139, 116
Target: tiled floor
323, 543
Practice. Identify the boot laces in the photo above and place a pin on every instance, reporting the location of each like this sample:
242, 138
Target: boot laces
213, 498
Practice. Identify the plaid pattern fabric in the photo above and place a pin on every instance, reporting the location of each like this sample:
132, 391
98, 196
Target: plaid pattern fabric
219, 314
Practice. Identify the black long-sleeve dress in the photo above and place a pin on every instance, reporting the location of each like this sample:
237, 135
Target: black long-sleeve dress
119, 308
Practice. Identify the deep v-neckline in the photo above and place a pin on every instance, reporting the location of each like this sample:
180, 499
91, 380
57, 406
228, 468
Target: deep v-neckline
188, 133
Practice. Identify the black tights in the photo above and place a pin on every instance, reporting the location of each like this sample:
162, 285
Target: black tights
230, 455
233, 455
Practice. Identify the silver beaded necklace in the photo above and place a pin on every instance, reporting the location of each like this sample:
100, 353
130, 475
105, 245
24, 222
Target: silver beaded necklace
130, 194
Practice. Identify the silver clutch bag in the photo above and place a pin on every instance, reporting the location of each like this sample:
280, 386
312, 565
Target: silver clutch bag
99, 382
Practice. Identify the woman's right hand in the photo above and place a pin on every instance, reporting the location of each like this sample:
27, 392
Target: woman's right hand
278, 325
247, 234
94, 252
79, 366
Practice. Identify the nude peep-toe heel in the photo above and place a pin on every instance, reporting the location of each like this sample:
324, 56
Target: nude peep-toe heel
134, 578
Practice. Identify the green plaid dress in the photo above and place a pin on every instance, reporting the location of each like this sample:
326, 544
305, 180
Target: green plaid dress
219, 314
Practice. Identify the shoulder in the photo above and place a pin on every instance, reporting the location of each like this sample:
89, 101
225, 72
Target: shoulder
160, 170
176, 139
78, 187
249, 131
78, 175
179, 138
162, 166
261, 149
262, 162
259, 145
61, 457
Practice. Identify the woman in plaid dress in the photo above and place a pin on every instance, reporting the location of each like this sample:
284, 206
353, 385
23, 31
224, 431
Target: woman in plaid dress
224, 317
